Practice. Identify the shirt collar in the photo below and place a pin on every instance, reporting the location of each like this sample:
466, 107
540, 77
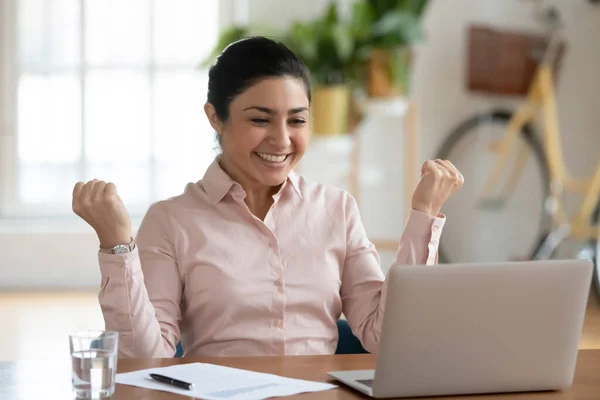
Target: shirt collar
218, 183
294, 179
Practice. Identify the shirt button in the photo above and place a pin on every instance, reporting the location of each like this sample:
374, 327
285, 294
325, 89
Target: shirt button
278, 323
278, 282
434, 242
436, 228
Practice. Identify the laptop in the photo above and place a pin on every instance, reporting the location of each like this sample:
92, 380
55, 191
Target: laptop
458, 329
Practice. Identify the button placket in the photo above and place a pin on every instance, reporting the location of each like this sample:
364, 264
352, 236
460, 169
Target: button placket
433, 244
278, 292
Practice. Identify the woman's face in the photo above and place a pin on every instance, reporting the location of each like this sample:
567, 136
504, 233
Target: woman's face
266, 133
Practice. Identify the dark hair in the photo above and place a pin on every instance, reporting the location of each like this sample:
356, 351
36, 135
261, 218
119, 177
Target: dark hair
247, 61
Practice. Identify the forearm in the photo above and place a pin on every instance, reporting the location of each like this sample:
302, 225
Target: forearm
126, 308
420, 240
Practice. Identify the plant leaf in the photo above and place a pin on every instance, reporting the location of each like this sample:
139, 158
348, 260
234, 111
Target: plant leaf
363, 18
343, 42
398, 28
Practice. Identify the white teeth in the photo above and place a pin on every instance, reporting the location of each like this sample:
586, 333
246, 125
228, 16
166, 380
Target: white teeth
271, 157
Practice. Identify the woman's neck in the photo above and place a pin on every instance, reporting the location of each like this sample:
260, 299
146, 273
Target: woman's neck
259, 202
259, 198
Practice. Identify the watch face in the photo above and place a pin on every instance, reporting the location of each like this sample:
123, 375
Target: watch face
120, 249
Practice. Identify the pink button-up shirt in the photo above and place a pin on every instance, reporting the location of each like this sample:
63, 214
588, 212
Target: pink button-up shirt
207, 271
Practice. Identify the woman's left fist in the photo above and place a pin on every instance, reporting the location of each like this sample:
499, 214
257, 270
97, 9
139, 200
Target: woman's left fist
439, 180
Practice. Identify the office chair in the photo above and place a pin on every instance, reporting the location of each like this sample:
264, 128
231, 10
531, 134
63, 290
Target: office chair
347, 343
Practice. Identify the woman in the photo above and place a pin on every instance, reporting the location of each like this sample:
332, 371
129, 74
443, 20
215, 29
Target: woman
253, 259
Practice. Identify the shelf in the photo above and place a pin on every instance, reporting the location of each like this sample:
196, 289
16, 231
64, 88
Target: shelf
334, 144
387, 107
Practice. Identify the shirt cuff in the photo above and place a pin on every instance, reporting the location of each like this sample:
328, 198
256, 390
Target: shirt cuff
424, 225
116, 265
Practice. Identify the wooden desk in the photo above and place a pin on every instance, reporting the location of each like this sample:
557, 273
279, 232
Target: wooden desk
24, 380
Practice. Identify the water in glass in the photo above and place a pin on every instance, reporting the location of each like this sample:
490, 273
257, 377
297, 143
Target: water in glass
94, 373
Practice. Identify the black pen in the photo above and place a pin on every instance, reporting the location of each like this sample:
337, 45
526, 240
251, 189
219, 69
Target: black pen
171, 381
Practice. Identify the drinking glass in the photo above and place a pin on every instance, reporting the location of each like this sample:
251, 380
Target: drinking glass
94, 363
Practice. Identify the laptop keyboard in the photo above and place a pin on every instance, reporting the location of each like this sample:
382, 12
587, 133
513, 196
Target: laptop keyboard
366, 382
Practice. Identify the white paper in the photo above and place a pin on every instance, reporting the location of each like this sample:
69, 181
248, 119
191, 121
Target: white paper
214, 382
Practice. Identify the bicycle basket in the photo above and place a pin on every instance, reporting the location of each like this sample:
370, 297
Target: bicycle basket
503, 62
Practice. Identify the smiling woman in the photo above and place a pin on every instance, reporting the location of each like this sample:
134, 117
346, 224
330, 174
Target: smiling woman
260, 111
253, 259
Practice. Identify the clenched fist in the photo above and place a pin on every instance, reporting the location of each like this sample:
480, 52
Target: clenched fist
99, 204
439, 180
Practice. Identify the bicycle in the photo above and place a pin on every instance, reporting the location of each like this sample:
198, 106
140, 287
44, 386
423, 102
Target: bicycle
516, 182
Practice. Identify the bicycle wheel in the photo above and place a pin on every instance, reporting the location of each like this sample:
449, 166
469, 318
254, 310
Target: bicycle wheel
508, 227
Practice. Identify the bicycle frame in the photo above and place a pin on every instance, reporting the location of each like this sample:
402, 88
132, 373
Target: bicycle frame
541, 98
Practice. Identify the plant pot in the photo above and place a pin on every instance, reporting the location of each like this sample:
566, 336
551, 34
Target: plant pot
330, 110
387, 72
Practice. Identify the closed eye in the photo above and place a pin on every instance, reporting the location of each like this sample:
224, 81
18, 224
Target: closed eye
297, 121
260, 120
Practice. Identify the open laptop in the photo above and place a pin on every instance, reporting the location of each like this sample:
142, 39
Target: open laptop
459, 329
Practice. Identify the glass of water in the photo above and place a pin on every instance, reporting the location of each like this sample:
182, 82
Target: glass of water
94, 363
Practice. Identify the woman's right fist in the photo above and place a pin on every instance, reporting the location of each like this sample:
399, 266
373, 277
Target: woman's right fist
99, 204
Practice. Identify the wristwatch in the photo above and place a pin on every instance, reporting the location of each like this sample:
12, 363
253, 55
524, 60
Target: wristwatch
120, 248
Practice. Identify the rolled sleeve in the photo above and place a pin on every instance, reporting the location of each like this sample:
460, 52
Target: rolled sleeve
116, 265
420, 240
141, 291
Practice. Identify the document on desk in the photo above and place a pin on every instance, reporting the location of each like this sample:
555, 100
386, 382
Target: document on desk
214, 382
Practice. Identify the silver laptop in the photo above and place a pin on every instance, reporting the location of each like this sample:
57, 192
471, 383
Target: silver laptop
459, 329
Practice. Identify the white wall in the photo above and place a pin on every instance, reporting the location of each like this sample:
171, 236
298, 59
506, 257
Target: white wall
68, 258
440, 71
48, 260
440, 76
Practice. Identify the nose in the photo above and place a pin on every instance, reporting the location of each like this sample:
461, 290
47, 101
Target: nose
279, 137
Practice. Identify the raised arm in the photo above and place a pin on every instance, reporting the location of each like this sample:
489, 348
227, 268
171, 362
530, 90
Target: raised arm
363, 288
140, 293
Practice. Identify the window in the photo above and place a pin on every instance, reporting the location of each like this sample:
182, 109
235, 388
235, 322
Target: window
106, 89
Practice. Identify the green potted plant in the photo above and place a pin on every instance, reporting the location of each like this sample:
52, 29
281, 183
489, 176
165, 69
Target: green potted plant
385, 31
327, 47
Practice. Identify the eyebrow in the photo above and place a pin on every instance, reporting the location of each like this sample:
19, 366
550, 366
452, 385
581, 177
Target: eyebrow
273, 112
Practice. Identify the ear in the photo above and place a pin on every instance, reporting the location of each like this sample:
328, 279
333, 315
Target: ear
213, 118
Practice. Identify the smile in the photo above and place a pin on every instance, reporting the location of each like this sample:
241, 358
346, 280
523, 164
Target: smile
274, 158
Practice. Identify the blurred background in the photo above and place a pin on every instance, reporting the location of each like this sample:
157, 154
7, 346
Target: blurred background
114, 90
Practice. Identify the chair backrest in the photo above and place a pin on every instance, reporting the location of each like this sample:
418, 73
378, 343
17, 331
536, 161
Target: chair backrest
347, 342
179, 350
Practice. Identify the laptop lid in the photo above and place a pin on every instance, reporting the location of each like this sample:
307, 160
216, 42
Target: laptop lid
481, 328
